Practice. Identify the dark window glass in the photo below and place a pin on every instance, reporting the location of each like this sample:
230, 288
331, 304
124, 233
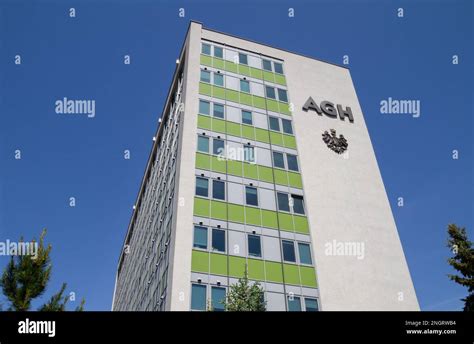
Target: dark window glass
289, 251
249, 153
283, 202
218, 110
305, 253
218, 147
205, 76
218, 79
294, 304
311, 305
274, 123
292, 162
251, 195
267, 65
255, 248
278, 67
198, 297
218, 189
218, 240
204, 107
200, 237
206, 49
278, 160
246, 117
282, 95
298, 206
218, 52
287, 129
203, 144
243, 59
270, 92
202, 185
218, 299
244, 86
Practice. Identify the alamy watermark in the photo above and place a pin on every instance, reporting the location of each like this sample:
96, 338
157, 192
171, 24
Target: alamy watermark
345, 248
75, 107
12, 248
246, 153
402, 107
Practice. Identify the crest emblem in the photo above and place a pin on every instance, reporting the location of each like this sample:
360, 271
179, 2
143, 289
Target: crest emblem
337, 144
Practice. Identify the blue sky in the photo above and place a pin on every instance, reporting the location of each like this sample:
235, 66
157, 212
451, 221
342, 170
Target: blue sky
82, 58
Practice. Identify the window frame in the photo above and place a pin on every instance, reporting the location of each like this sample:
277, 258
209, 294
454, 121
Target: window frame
248, 187
214, 52
246, 59
202, 48
207, 187
300, 243
270, 123
312, 299
205, 72
194, 237
293, 196
285, 93
213, 287
221, 184
294, 299
202, 137
283, 120
283, 242
273, 90
242, 81
275, 68
287, 201
214, 110
242, 116
201, 287
214, 79
254, 236
282, 159
263, 65
214, 139
202, 101
295, 161
218, 230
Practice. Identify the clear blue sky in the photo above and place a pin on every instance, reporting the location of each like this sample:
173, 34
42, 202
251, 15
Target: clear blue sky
82, 58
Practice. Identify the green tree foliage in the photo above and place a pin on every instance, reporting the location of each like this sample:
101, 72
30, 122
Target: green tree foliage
245, 296
462, 261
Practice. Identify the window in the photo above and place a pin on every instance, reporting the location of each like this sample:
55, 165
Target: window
203, 144
218, 52
298, 206
206, 49
289, 251
294, 304
311, 305
218, 240
292, 162
218, 147
251, 197
305, 253
255, 248
267, 65
205, 76
243, 59
200, 237
218, 110
218, 79
270, 91
198, 297
287, 129
278, 160
218, 299
246, 117
274, 123
283, 202
202, 185
249, 154
278, 67
218, 189
204, 107
244, 86
282, 95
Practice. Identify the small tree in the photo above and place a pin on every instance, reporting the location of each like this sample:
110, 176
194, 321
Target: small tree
245, 296
462, 261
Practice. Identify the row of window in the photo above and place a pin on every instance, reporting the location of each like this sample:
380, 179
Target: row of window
280, 160
218, 110
216, 78
218, 52
199, 301
285, 201
217, 242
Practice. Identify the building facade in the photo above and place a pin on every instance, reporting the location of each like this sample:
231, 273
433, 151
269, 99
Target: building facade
262, 163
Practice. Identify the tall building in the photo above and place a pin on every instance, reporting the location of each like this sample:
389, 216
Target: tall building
262, 161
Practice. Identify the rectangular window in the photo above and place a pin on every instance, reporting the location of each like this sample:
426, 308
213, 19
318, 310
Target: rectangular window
218, 147
311, 305
218, 52
218, 240
204, 107
200, 237
282, 95
294, 304
198, 297
255, 248
218, 299
244, 86
305, 253
283, 202
218, 110
249, 154
278, 160
243, 59
267, 65
251, 197
203, 144
218, 189
287, 129
288, 251
278, 67
246, 117
274, 123
205, 76
292, 162
202, 186
270, 91
218, 79
205, 49
298, 206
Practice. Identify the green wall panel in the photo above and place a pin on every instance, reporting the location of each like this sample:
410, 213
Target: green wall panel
284, 108
276, 138
232, 95
248, 132
205, 89
308, 276
236, 213
256, 269
272, 105
206, 60
218, 92
268, 76
289, 141
218, 125
301, 224
200, 261
269, 219
236, 266
219, 210
204, 122
294, 180
262, 135
201, 207
244, 70
252, 216
250, 171
245, 98
292, 274
258, 102
218, 165
218, 63
265, 174
233, 129
231, 66
285, 221
234, 167
273, 272
203, 161
281, 176
280, 79
218, 264
256, 73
